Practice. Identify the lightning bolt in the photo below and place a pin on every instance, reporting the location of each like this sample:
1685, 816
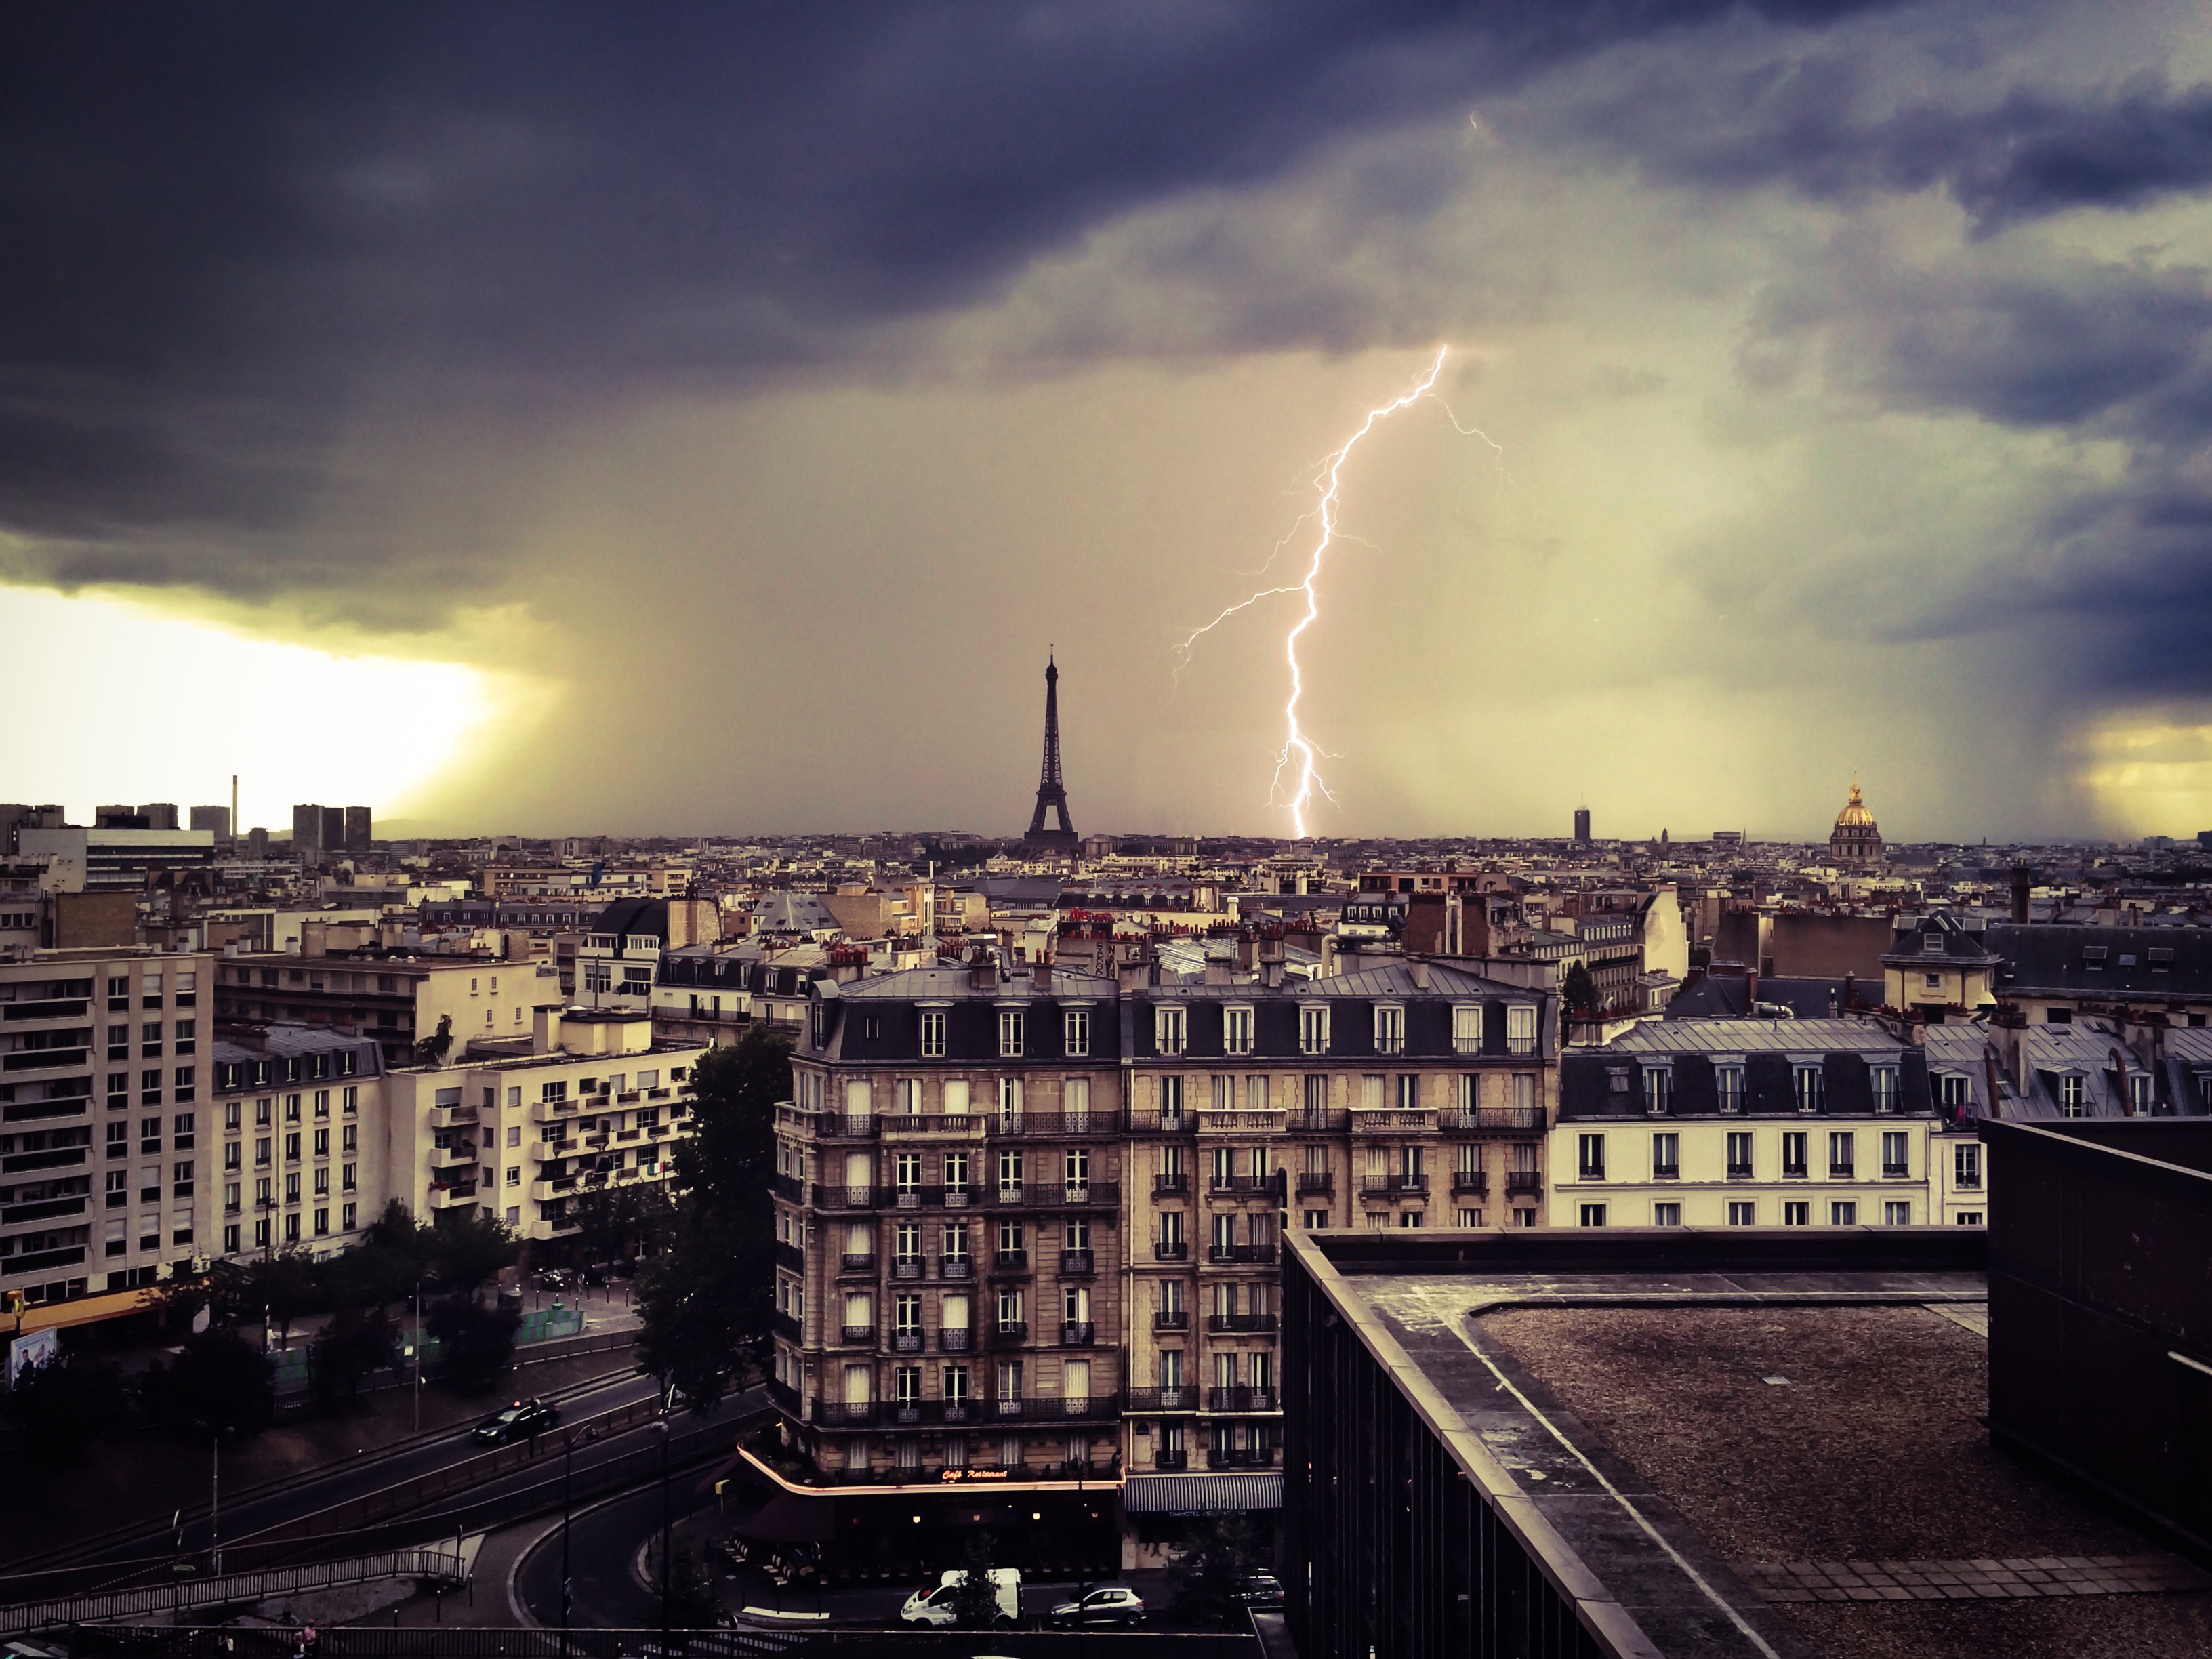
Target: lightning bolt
1298, 758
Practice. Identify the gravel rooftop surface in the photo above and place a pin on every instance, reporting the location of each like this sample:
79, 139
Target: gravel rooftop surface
1871, 1450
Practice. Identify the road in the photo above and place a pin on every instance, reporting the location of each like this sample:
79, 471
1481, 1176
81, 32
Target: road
274, 1505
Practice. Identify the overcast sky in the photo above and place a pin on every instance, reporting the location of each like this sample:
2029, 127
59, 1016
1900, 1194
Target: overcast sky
706, 420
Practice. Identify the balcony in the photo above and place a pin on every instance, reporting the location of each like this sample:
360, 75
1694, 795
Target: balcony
1176, 1399
788, 1188
1170, 1319
857, 1336
1241, 1323
963, 1125
1316, 1183
1228, 1255
1470, 1183
846, 1413
790, 1257
856, 1264
1167, 1460
45, 1059
461, 1152
52, 1008
1241, 1457
559, 1187
1523, 1184
784, 1325
1245, 1185
1666, 1172
1896, 1171
908, 1267
1077, 1332
1793, 1171
453, 1117
1163, 1123
1176, 1251
1033, 1125
1097, 1195
1243, 1401
1009, 1261
1394, 1186
1171, 1186
629, 1134
952, 1339
1522, 1119
1237, 1122
1076, 1264
35, 1260
1392, 1120
849, 1198
44, 1209
841, 1126
907, 1340
447, 1198
956, 1267
1322, 1121
1011, 1330
1843, 1172
786, 1399
1739, 1172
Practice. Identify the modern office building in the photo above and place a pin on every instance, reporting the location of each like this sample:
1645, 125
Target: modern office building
1581, 825
359, 828
400, 998
215, 820
115, 860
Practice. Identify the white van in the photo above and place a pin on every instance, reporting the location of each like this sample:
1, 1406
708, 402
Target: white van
933, 1603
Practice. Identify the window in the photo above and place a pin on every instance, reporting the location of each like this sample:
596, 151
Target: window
1797, 1213
1409, 1092
322, 1143
1466, 1029
932, 1034
1592, 1215
1658, 1088
1591, 1161
1168, 1030
1896, 1153
1739, 1155
1955, 1090
2071, 1096
553, 1093
1389, 1029
1075, 1031
1742, 1213
1843, 1154
1170, 1099
1969, 1219
347, 1174
1315, 1219
1896, 1212
322, 1103
292, 1147
1884, 1080
1010, 1033
2139, 1092
1470, 1218
1666, 1156
1236, 1031
1931, 981
1844, 1212
1313, 1029
1966, 1167
1793, 1153
1812, 1088
1010, 1172
1666, 1215
1727, 1087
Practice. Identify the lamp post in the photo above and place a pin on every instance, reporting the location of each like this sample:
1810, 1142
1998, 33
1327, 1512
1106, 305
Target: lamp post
665, 1436
418, 1353
215, 1507
568, 1464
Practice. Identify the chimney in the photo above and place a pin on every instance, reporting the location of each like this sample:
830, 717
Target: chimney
544, 1029
1851, 990
1216, 971
2023, 882
1420, 967
983, 969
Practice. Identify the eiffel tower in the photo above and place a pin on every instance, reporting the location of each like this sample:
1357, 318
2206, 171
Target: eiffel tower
1052, 793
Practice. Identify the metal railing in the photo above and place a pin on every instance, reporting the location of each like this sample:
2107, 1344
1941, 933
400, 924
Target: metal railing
1243, 1399
173, 1598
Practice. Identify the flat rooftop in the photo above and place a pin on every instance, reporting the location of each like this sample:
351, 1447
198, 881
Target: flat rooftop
1768, 1459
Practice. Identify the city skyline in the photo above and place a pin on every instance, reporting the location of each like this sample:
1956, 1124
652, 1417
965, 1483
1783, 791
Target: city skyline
748, 406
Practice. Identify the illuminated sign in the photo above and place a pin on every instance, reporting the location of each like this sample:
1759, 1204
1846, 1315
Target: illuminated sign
954, 1477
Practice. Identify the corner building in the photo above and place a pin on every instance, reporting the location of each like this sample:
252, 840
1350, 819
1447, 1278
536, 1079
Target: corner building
1030, 1223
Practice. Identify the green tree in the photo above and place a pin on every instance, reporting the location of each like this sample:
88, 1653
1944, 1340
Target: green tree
1578, 990
468, 1247
614, 1220
356, 1342
975, 1598
59, 1407
281, 1288
220, 1383
475, 1342
1209, 1570
704, 1306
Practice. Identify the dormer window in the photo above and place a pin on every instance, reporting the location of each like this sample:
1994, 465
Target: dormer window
1521, 1028
1236, 1031
2093, 957
1658, 1090
1075, 1032
1389, 1029
1616, 1079
932, 1034
1931, 943
1169, 1027
2161, 958
1884, 1080
1727, 1087
1313, 1029
1812, 1086
2071, 1097
1010, 1033
1467, 1029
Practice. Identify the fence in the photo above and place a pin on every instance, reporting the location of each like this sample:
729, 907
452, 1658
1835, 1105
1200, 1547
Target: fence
292, 1374
232, 1589
483, 1642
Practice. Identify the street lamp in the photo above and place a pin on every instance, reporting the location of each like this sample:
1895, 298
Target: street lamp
418, 1353
568, 1465
665, 1436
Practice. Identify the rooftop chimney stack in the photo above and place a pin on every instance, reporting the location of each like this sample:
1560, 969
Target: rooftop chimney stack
2023, 882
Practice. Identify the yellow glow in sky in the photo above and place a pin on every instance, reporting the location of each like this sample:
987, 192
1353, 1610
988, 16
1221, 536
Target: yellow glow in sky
2152, 778
116, 703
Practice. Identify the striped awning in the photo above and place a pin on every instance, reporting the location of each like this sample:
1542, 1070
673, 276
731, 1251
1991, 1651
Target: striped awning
1201, 1494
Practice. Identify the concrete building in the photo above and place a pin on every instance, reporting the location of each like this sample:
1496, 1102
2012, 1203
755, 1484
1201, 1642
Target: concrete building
115, 860
215, 820
300, 1119
1581, 826
401, 999
160, 815
103, 1140
359, 828
1752, 1123
308, 834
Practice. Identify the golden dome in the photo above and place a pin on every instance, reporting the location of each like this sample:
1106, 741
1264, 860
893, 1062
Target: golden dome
1855, 815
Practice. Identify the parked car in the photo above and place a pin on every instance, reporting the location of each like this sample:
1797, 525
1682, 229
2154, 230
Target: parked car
556, 1279
1260, 1589
1109, 1604
521, 1421
933, 1603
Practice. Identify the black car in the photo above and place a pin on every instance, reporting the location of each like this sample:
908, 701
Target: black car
1260, 1589
523, 1420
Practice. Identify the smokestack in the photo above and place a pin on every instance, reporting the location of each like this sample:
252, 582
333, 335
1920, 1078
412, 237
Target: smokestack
235, 832
2022, 883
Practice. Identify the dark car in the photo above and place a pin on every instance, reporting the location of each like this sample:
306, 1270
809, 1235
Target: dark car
1260, 1589
523, 1420
1109, 1604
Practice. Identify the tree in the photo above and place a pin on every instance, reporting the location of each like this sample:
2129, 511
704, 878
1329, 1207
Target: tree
975, 1598
704, 1306
220, 1383
1208, 1572
692, 1602
58, 1408
431, 1050
468, 1247
1578, 990
475, 1342
281, 1288
356, 1342
612, 1219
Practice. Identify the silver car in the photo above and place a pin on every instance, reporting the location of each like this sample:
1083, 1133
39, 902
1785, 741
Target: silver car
1108, 1605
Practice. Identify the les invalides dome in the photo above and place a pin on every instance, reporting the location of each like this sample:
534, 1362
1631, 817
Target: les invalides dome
1856, 843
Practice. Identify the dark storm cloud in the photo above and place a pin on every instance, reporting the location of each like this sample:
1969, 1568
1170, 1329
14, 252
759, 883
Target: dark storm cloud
230, 230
